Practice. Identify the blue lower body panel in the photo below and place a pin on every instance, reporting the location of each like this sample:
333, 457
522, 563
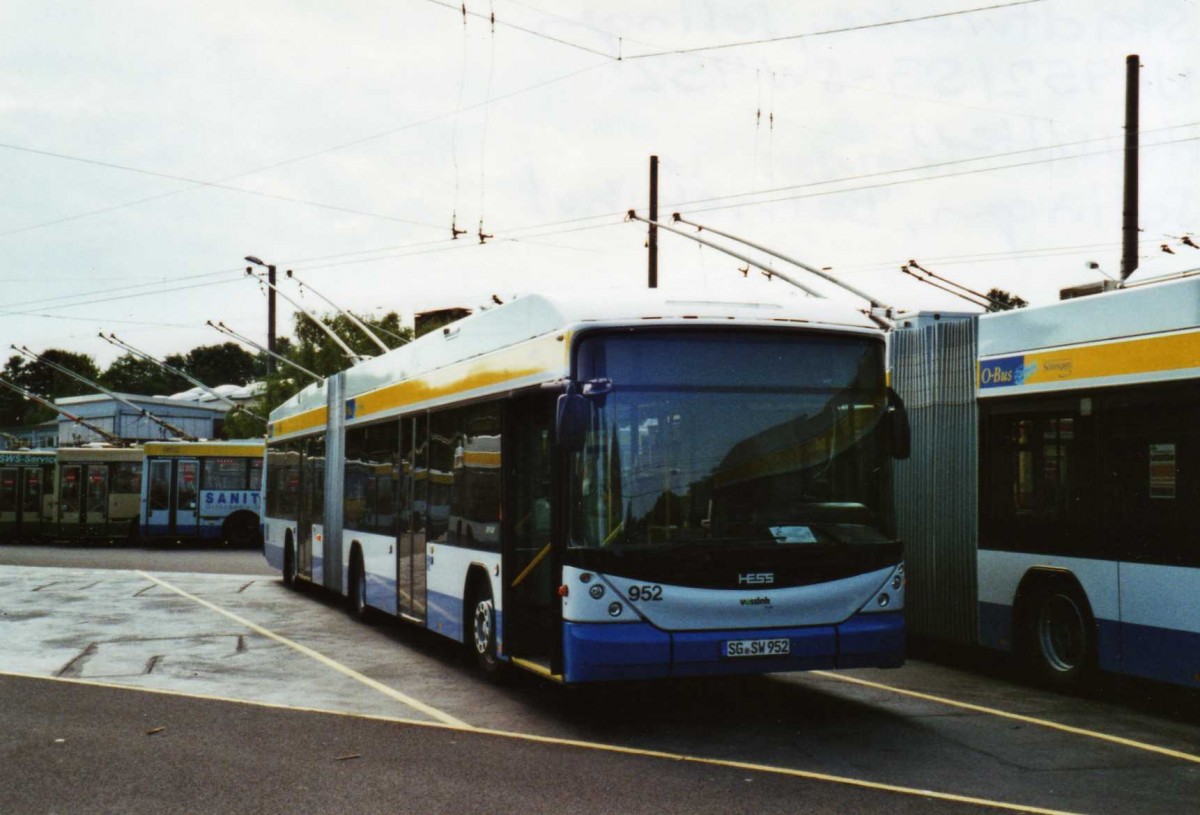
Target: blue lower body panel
1156, 653
191, 533
597, 651
594, 652
871, 641
1161, 653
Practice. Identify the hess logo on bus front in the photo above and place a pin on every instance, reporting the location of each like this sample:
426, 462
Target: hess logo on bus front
756, 579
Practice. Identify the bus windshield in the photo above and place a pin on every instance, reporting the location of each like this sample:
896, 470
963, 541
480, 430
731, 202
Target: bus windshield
731, 438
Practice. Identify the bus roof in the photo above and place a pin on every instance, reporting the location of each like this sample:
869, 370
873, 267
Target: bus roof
533, 328
1146, 309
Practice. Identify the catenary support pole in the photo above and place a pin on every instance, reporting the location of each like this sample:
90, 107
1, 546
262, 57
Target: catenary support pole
652, 240
1129, 226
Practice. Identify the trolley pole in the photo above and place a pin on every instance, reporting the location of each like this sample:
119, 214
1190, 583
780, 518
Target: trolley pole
653, 240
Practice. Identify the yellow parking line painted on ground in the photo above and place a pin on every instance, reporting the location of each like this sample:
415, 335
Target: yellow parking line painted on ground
1018, 717
584, 745
444, 718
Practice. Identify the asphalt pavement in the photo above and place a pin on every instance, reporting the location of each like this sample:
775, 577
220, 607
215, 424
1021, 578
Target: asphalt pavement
69, 747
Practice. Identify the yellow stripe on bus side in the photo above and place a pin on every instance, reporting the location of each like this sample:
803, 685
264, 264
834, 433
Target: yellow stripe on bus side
545, 355
317, 417
1147, 355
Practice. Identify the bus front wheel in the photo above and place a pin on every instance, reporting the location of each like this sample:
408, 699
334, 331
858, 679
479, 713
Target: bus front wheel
1060, 635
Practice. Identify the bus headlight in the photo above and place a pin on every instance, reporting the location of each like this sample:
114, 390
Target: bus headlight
597, 591
614, 609
890, 596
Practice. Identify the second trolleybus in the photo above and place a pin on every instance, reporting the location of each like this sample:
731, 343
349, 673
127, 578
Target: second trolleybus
595, 490
166, 492
1051, 504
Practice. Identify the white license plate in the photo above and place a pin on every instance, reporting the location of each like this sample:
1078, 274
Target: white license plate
757, 648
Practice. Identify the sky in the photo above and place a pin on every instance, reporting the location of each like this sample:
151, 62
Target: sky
146, 148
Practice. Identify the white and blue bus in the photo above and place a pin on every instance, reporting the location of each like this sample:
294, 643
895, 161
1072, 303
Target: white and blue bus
202, 492
597, 489
1081, 451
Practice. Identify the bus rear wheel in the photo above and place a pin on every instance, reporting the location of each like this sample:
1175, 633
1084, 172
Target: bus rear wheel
1060, 636
240, 530
289, 564
357, 590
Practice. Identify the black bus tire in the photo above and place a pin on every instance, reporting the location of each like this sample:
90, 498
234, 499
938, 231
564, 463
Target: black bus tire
240, 530
289, 563
1059, 635
356, 591
481, 635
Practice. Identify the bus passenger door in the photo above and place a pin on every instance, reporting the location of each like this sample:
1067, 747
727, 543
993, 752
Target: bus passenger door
530, 565
96, 500
29, 522
70, 515
186, 508
10, 524
410, 562
311, 511
158, 498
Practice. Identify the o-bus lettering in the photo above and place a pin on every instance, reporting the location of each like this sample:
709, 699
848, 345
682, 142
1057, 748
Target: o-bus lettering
995, 375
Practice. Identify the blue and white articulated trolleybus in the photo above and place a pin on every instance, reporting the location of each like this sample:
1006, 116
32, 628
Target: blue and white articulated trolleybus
26, 494
1085, 438
615, 488
202, 492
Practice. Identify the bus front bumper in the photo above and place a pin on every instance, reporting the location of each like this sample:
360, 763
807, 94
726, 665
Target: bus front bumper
594, 652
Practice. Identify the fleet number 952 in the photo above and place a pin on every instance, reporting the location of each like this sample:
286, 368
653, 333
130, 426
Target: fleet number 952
645, 593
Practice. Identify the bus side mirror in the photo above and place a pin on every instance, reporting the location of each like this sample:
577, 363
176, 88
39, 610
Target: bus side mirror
571, 421
898, 431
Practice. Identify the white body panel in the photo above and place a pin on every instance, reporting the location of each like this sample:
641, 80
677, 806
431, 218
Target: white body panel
1000, 574
690, 609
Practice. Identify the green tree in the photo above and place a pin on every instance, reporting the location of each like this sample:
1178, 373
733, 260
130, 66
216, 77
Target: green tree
224, 364
130, 374
44, 381
312, 348
13, 406
316, 351
241, 425
1004, 301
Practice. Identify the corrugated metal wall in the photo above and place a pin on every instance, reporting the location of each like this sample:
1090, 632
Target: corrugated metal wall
933, 370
